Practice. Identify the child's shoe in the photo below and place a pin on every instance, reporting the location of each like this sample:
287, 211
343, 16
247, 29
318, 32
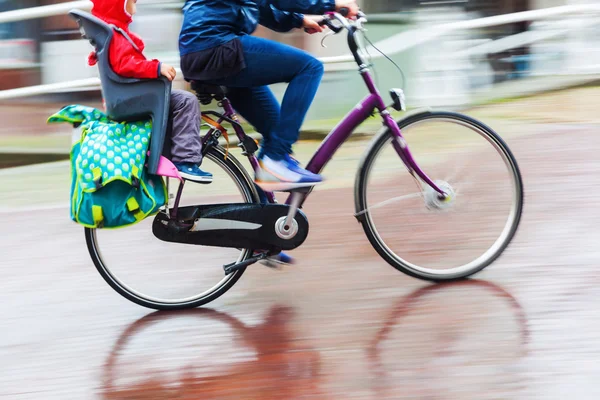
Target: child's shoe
192, 172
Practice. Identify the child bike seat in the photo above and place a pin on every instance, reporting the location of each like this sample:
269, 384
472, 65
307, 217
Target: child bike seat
128, 99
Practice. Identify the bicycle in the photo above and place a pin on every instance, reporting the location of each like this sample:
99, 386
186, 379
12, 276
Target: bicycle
253, 223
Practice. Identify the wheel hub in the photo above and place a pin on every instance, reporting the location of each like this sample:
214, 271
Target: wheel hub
435, 201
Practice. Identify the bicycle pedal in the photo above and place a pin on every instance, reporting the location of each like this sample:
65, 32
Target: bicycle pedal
233, 267
272, 264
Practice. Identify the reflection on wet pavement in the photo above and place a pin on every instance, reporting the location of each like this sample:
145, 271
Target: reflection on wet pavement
210, 354
454, 360
221, 358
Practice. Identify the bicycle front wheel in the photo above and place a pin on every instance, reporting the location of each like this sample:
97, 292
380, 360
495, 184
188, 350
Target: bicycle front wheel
169, 276
411, 227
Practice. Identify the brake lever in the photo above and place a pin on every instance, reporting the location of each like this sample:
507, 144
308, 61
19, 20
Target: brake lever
327, 22
325, 36
360, 24
333, 27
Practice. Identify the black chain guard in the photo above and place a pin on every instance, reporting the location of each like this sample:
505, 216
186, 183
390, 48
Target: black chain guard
238, 225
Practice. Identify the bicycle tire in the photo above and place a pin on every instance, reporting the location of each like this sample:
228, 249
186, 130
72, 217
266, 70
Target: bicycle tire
367, 223
237, 172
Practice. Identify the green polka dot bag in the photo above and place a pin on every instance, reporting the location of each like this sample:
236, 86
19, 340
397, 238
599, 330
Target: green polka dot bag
110, 187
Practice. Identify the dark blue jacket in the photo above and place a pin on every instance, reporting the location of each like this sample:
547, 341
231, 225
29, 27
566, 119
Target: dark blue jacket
210, 23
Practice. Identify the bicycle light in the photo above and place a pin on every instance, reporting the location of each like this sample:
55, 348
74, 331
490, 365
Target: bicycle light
399, 99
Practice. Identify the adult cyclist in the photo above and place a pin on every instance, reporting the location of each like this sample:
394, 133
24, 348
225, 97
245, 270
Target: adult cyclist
217, 48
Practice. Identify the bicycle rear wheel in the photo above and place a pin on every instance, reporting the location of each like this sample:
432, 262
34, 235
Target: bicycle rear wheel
415, 231
170, 276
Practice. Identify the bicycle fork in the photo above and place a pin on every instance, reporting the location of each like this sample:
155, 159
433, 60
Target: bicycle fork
401, 147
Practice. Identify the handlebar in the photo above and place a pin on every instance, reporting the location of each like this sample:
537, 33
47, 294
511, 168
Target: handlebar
352, 26
327, 22
341, 16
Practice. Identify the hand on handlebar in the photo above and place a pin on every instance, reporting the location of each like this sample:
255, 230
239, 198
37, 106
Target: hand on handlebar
347, 13
313, 24
348, 8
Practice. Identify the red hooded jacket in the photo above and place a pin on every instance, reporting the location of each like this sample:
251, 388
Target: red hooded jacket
124, 59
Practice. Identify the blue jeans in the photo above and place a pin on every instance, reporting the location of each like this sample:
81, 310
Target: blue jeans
269, 62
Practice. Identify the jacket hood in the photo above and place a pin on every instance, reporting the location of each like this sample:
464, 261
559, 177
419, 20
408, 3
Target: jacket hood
112, 12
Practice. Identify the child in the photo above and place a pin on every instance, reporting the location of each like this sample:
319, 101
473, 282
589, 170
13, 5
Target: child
127, 60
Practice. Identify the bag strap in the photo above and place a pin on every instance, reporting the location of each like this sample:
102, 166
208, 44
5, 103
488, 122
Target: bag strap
135, 176
134, 208
220, 127
97, 176
98, 216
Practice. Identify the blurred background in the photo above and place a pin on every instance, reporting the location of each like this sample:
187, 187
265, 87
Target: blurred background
341, 324
450, 54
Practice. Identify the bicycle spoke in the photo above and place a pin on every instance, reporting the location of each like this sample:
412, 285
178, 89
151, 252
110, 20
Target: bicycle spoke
390, 201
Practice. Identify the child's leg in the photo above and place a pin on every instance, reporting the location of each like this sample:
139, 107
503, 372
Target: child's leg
186, 146
185, 137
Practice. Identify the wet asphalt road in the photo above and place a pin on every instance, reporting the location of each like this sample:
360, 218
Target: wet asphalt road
341, 324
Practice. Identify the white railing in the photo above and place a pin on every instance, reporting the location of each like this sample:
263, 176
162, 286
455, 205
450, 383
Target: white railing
43, 11
406, 40
392, 45
50, 88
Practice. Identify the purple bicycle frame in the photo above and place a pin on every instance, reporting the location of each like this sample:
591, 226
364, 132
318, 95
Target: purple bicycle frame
341, 133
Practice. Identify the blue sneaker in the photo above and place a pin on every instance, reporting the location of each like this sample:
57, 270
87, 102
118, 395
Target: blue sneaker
282, 175
192, 172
